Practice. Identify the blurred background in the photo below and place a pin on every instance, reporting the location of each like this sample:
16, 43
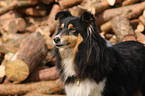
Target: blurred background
27, 29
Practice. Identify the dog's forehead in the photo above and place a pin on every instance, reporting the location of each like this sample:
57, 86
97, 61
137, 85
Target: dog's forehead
69, 20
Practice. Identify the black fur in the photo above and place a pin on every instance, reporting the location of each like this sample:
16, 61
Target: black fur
123, 64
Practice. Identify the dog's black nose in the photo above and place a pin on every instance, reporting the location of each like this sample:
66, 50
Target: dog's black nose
56, 39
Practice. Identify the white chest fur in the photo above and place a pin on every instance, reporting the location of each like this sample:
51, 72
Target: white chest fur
67, 62
86, 88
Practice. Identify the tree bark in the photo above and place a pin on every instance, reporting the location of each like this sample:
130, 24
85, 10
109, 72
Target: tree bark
43, 74
43, 87
25, 60
16, 4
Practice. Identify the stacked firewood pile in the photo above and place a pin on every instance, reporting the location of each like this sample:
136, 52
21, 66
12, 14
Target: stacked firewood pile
27, 28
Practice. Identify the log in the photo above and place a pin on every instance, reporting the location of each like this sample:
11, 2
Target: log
140, 27
36, 11
51, 18
43, 74
10, 27
12, 21
106, 27
129, 2
99, 7
110, 13
26, 59
21, 24
122, 29
140, 37
14, 44
47, 1
142, 19
43, 87
68, 3
2, 69
16, 4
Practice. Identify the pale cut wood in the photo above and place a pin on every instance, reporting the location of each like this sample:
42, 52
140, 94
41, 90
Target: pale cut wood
140, 37
10, 27
122, 29
106, 27
29, 54
2, 71
44, 87
17, 70
144, 13
15, 4
111, 2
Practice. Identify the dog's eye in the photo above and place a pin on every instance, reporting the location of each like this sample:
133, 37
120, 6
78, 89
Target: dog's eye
71, 29
60, 28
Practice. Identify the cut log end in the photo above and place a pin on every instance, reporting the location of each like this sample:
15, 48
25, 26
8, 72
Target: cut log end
16, 70
111, 2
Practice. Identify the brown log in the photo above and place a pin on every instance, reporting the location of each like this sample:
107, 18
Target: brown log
43, 74
39, 94
25, 60
129, 2
12, 21
123, 29
68, 3
16, 4
51, 18
47, 1
134, 23
111, 2
43, 87
34, 11
31, 28
110, 13
140, 27
21, 24
14, 43
99, 7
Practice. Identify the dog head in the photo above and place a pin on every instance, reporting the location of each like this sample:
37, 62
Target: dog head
71, 29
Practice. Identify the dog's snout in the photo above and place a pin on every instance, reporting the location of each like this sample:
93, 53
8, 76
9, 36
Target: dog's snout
56, 39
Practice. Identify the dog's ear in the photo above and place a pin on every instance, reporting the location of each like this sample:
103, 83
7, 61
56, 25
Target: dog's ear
62, 14
87, 18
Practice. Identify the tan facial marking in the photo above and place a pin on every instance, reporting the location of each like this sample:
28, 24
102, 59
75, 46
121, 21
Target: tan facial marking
62, 26
70, 26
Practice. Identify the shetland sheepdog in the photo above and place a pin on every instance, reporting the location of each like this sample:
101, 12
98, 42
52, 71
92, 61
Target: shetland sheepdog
90, 66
